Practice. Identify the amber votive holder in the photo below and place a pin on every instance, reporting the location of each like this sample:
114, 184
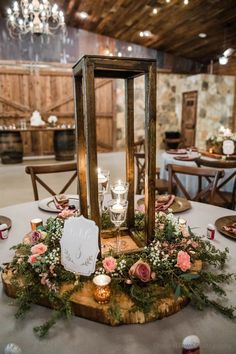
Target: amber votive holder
102, 290
35, 223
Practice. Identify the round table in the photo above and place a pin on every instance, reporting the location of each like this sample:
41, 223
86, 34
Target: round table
190, 182
78, 335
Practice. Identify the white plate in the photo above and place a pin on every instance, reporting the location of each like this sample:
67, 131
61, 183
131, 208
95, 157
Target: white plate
48, 204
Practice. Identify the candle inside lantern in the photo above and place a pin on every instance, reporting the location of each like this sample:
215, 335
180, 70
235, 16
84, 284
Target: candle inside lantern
102, 291
117, 207
119, 190
35, 223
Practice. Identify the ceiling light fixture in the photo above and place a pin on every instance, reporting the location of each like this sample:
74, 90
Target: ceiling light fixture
83, 15
130, 48
186, 2
145, 34
35, 17
119, 54
156, 10
223, 60
228, 52
202, 35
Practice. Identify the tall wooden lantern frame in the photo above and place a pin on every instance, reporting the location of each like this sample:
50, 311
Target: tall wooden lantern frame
85, 71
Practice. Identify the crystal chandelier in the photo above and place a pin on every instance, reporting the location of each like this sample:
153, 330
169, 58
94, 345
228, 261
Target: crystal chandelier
35, 17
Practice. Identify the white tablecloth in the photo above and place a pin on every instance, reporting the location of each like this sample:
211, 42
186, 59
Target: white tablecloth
78, 335
190, 182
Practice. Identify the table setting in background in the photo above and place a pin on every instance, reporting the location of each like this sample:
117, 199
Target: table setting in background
190, 182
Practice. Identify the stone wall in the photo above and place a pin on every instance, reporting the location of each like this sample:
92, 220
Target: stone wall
166, 108
215, 105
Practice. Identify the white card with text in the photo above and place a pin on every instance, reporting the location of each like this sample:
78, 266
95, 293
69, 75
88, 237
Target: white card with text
79, 245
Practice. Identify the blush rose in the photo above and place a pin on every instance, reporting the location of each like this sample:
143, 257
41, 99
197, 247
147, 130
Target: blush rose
183, 261
142, 271
40, 248
33, 258
109, 264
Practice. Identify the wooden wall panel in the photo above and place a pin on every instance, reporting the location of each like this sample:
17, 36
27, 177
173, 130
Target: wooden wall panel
50, 91
104, 97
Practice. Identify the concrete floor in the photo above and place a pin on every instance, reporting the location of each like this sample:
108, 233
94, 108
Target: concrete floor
16, 187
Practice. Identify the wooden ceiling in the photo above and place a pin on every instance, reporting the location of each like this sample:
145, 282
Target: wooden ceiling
175, 27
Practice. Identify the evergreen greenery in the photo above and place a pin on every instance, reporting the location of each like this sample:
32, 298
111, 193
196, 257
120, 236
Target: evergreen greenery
43, 278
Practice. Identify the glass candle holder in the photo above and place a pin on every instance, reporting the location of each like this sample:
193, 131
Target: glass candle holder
35, 223
102, 290
118, 210
119, 190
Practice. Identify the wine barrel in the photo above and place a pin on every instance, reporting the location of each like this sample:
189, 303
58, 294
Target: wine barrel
64, 144
11, 147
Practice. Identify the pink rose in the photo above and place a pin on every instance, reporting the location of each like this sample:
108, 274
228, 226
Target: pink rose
183, 261
33, 258
142, 271
40, 248
109, 264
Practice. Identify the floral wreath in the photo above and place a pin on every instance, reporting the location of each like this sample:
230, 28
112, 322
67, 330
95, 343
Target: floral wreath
176, 259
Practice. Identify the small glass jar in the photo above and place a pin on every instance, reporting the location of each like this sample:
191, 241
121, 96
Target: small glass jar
211, 231
3, 231
102, 290
35, 223
191, 345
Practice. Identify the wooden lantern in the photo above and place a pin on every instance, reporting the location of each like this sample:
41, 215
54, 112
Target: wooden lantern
85, 71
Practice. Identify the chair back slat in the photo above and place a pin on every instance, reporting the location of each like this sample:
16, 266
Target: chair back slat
204, 193
228, 199
35, 170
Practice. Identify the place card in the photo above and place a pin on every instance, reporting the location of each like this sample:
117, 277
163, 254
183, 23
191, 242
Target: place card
79, 245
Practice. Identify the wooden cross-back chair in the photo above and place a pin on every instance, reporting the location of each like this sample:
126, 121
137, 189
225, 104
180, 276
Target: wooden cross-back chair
161, 185
223, 198
207, 181
36, 170
139, 146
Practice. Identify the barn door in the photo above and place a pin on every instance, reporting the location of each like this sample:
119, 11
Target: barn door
104, 93
189, 117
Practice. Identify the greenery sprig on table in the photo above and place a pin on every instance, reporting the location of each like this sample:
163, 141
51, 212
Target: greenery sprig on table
176, 261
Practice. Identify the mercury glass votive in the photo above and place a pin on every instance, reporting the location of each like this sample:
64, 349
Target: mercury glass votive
35, 223
102, 290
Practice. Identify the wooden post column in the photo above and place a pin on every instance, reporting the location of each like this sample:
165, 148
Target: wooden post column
80, 145
129, 124
150, 150
91, 140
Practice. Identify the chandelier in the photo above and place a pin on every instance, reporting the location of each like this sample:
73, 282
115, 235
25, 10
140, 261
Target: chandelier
35, 17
